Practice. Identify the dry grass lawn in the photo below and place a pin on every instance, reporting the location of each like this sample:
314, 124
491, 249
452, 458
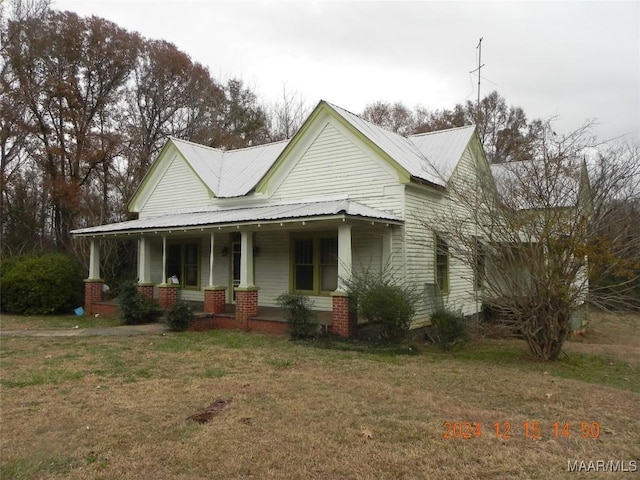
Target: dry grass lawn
117, 407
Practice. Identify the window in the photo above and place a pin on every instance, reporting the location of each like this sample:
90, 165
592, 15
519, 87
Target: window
315, 263
183, 261
442, 264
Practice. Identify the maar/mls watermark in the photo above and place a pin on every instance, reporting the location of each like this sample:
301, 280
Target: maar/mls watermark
603, 466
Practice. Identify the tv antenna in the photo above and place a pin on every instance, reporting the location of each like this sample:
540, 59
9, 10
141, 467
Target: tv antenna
480, 65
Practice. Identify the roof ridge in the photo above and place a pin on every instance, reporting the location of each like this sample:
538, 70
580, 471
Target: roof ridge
257, 146
442, 130
172, 138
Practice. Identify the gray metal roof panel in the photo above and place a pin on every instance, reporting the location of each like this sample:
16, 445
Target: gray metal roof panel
230, 173
444, 148
401, 149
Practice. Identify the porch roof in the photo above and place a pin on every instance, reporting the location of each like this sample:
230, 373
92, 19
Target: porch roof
245, 215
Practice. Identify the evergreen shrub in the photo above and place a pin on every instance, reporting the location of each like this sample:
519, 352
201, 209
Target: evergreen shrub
384, 301
136, 309
40, 285
180, 316
300, 317
449, 328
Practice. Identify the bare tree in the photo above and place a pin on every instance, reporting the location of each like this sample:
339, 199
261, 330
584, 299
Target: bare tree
68, 72
536, 233
395, 117
287, 115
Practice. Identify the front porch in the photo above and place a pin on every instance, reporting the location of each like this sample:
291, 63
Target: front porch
270, 320
237, 272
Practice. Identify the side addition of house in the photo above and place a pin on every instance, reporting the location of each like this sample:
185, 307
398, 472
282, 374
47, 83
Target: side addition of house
235, 229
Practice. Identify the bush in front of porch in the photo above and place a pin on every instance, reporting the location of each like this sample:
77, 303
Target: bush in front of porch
384, 302
135, 307
300, 316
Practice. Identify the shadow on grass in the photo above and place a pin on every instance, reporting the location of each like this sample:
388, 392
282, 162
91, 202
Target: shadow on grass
338, 344
589, 368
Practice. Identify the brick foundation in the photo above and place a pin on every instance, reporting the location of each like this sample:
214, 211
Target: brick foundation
225, 322
246, 306
167, 296
106, 309
215, 300
145, 290
344, 321
268, 326
92, 294
202, 323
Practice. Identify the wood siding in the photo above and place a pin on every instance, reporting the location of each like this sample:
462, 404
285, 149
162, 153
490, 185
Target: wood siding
424, 214
336, 164
178, 189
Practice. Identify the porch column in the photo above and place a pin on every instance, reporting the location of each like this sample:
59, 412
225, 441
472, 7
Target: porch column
94, 261
164, 259
144, 261
344, 256
247, 292
215, 298
246, 260
344, 320
212, 244
94, 284
145, 287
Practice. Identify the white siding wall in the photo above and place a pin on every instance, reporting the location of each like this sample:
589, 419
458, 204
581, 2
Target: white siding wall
179, 189
273, 262
366, 244
423, 217
272, 266
337, 164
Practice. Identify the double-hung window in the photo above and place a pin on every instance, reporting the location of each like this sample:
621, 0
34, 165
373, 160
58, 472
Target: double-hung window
314, 263
442, 264
183, 263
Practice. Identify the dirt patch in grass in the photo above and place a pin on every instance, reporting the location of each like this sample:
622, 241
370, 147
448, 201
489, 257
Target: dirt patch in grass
105, 408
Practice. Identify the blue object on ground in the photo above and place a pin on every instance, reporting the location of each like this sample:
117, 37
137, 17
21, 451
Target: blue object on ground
79, 311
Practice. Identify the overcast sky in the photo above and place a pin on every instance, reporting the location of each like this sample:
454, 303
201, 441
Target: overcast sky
573, 60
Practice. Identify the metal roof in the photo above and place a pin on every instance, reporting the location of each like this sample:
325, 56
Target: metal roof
432, 156
250, 214
444, 148
234, 173
230, 173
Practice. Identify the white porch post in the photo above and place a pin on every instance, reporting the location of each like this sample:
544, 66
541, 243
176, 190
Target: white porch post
94, 260
344, 256
164, 259
246, 260
144, 260
211, 260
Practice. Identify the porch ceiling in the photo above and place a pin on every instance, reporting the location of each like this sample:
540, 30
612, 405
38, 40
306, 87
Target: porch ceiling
246, 215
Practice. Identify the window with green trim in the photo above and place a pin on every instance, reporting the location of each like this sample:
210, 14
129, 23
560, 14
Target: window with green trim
314, 260
183, 261
442, 264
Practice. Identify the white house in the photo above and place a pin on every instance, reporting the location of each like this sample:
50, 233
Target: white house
241, 227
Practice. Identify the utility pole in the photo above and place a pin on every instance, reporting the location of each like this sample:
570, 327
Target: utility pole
480, 65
